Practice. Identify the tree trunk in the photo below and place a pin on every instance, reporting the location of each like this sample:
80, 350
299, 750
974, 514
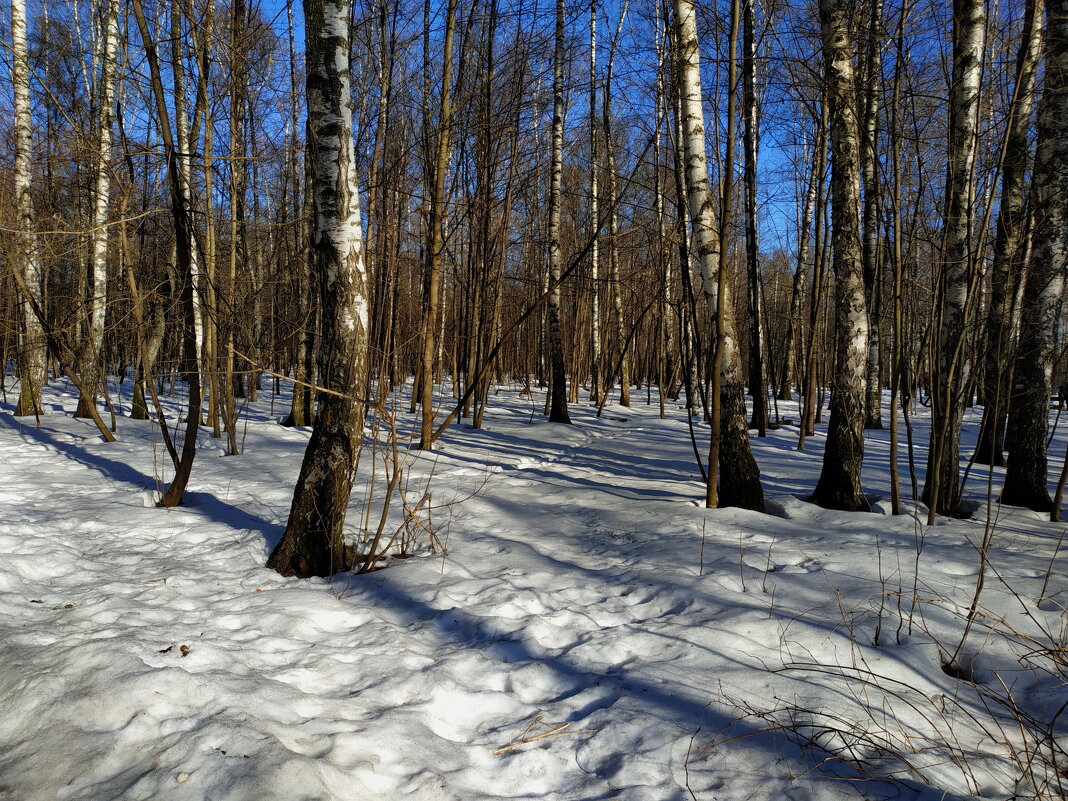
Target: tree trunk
558, 390
98, 235
1025, 476
941, 490
614, 286
437, 235
183, 243
595, 253
873, 416
32, 358
1009, 245
739, 476
313, 543
839, 483
751, 113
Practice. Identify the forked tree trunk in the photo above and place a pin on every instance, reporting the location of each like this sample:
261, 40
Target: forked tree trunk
1025, 476
314, 543
739, 476
839, 483
32, 357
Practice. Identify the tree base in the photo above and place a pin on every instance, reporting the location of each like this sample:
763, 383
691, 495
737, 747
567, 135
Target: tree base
1029, 498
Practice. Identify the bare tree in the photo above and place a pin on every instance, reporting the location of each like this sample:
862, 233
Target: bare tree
1010, 243
1025, 476
178, 183
941, 489
436, 248
839, 483
314, 543
92, 345
32, 356
730, 457
558, 389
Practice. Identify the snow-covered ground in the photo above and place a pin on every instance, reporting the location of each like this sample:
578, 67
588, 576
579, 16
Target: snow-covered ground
591, 633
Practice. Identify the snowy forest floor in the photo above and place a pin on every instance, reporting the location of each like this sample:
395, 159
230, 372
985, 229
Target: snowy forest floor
591, 633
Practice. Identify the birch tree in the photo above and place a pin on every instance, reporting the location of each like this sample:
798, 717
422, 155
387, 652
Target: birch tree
730, 456
1026, 473
32, 355
558, 389
1009, 244
98, 235
839, 483
942, 486
595, 251
313, 543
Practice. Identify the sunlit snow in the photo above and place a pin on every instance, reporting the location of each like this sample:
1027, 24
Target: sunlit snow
591, 633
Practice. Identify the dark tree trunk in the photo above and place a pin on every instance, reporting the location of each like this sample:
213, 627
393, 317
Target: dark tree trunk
1025, 476
1009, 246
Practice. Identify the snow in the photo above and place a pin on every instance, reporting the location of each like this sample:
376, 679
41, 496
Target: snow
591, 633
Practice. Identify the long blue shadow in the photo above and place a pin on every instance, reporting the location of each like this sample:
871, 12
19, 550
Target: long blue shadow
206, 503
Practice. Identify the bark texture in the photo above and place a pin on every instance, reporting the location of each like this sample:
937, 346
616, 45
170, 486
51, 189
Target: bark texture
942, 486
89, 361
1025, 476
839, 483
558, 398
1009, 245
739, 476
313, 543
32, 368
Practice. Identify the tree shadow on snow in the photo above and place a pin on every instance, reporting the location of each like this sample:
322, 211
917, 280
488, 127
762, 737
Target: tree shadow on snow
206, 503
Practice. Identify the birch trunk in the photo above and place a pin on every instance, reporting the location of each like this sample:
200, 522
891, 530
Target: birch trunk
739, 476
89, 360
942, 485
873, 416
1009, 245
558, 389
839, 483
313, 543
1026, 473
614, 287
595, 246
32, 358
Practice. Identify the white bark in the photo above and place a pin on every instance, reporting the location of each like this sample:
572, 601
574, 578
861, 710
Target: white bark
595, 255
99, 233
558, 393
699, 197
941, 489
1026, 474
185, 162
32, 370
